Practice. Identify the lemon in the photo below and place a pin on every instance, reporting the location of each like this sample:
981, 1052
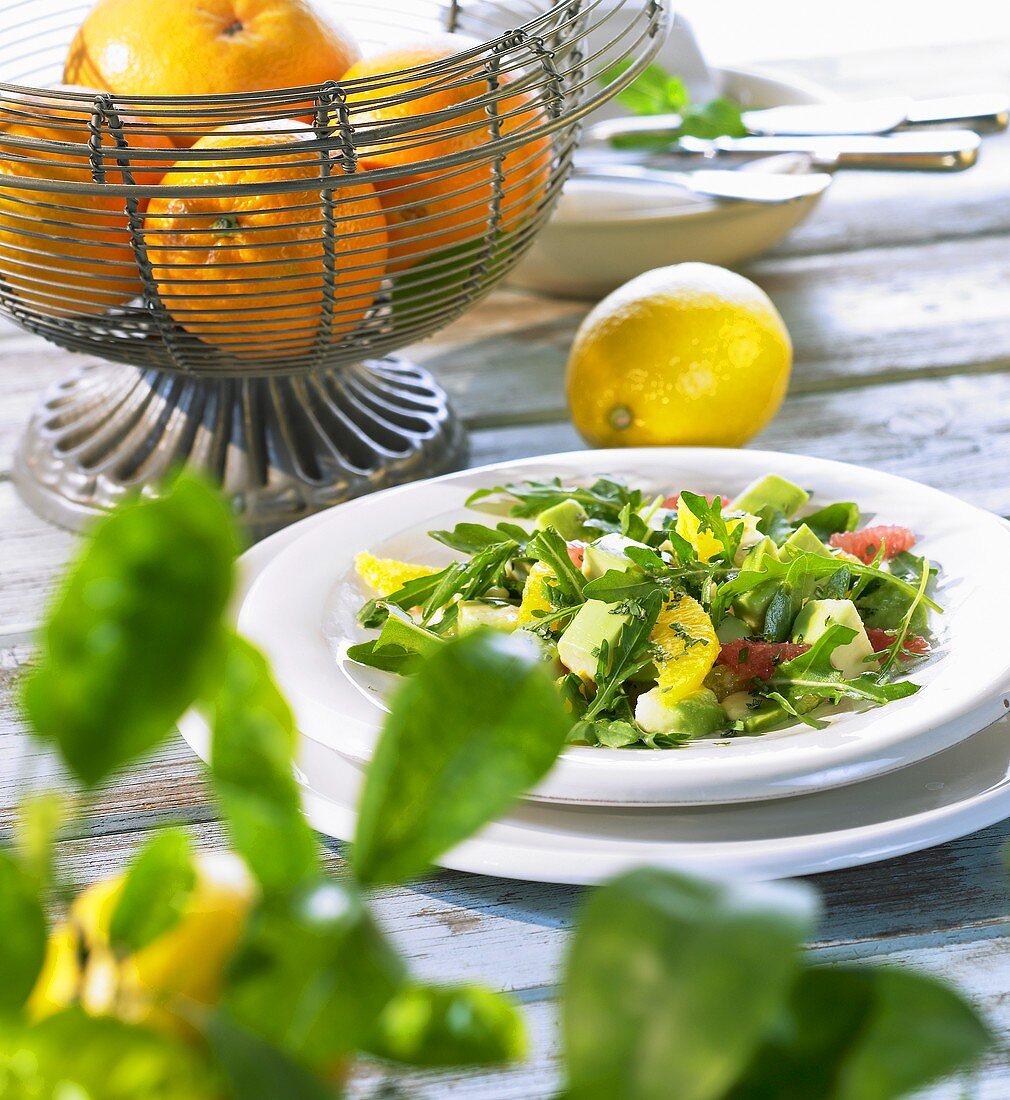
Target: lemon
536, 598
185, 964
687, 646
386, 575
685, 355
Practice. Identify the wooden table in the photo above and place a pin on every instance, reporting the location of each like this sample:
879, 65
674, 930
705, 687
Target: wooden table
897, 294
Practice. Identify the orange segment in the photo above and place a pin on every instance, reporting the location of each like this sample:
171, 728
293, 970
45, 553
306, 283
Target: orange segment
687, 648
535, 595
386, 575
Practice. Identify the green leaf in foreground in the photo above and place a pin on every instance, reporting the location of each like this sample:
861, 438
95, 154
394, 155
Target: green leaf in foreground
865, 1033
257, 1070
74, 1056
23, 940
313, 974
477, 725
128, 644
252, 751
467, 1025
158, 886
672, 983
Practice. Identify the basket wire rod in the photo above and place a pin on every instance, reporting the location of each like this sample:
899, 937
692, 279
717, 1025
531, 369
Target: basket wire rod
326, 100
452, 17
479, 270
105, 116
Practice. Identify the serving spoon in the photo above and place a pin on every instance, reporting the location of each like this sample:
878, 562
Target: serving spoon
715, 183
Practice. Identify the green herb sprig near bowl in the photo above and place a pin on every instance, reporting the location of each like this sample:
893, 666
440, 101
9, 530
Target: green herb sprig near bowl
255, 975
657, 92
671, 620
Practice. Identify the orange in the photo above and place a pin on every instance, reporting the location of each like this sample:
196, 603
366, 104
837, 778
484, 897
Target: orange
247, 274
65, 254
436, 209
206, 48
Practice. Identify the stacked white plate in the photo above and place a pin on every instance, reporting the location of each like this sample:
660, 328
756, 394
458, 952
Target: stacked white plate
868, 786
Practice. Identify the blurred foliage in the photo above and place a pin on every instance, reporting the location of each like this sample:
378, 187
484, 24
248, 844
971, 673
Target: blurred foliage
674, 986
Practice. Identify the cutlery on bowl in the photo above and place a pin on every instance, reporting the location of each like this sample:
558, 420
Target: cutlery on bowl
765, 187
981, 113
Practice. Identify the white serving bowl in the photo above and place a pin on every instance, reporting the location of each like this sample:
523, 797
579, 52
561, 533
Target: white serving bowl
301, 608
604, 234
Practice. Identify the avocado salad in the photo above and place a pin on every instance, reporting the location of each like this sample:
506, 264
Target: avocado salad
667, 619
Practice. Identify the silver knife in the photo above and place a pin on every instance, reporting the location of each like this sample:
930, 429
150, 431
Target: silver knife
981, 113
932, 150
880, 116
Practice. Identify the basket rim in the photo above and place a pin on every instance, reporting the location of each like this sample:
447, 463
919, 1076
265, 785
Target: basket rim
507, 39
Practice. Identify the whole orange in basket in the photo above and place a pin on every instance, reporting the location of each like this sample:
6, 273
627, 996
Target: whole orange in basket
206, 48
64, 254
247, 274
430, 210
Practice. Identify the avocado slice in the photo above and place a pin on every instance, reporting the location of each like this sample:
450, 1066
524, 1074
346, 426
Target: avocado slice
470, 614
803, 541
815, 619
751, 606
408, 635
595, 622
771, 491
567, 518
732, 629
699, 714
608, 552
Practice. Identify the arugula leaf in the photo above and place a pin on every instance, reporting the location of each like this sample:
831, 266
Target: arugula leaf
630, 653
854, 1031
616, 586
832, 518
23, 943
130, 641
464, 1025
470, 538
602, 501
158, 886
896, 649
711, 519
632, 525
480, 723
812, 673
672, 983
414, 593
610, 734
387, 658
549, 547
468, 579
817, 566
774, 523
713, 119
253, 742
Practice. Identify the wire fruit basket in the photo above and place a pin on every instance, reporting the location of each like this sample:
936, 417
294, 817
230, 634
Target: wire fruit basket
255, 260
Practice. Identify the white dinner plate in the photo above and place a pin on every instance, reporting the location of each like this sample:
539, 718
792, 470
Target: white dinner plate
954, 793
301, 611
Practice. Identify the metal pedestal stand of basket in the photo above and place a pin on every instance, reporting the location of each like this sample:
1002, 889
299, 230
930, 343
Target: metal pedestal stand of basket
282, 448
292, 403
